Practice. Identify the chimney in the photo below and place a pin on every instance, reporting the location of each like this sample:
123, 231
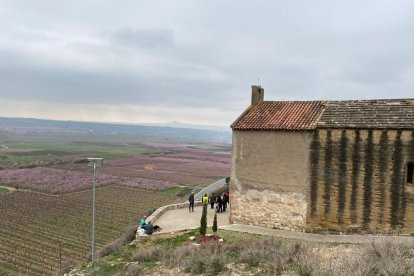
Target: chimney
257, 94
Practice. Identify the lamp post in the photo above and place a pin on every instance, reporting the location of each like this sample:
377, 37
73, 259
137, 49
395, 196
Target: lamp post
96, 163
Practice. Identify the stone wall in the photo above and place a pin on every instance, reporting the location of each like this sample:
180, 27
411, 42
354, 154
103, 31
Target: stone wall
357, 181
269, 178
161, 210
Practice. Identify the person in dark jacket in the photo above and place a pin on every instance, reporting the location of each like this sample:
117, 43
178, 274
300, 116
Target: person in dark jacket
191, 202
219, 206
212, 200
225, 201
149, 228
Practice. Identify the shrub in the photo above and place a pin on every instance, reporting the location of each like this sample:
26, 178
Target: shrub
153, 253
134, 269
217, 263
250, 256
388, 256
215, 223
203, 221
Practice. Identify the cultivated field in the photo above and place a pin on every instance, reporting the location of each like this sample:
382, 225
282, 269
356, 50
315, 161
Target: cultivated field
48, 214
32, 225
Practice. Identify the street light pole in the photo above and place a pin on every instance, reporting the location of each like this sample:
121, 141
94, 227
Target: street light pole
95, 162
93, 212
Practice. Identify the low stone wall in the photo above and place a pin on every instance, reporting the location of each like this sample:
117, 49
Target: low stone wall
270, 209
158, 213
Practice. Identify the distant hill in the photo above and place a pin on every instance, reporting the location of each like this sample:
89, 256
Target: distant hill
142, 132
181, 125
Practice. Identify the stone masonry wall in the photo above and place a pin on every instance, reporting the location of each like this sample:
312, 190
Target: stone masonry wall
357, 181
270, 209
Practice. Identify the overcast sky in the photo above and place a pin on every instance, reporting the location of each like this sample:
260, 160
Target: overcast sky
195, 61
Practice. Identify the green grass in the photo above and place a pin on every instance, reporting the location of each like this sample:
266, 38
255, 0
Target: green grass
11, 160
71, 147
50, 151
4, 190
179, 191
177, 240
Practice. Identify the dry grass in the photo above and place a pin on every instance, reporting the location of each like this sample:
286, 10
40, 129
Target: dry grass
274, 257
385, 256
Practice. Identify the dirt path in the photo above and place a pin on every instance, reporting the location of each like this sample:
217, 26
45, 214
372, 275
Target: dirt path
3, 147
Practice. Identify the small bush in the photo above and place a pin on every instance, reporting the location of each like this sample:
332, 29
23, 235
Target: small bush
389, 257
153, 253
217, 263
250, 256
134, 269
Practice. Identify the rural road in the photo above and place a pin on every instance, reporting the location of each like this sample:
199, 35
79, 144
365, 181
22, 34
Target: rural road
3, 147
218, 185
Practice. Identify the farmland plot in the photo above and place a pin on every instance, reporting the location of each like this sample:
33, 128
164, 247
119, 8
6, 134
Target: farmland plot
33, 224
62, 181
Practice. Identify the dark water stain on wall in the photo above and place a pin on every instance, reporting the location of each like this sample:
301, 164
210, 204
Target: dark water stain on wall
356, 161
314, 162
382, 166
328, 172
397, 183
368, 166
342, 181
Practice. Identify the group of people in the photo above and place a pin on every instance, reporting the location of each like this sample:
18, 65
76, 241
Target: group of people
221, 201
146, 228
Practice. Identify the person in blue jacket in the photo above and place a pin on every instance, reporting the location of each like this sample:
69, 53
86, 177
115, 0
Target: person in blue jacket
143, 222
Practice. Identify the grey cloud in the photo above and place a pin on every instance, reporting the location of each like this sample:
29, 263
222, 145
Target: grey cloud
24, 80
207, 53
143, 38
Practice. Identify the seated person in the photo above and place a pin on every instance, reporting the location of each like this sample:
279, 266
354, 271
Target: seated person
148, 228
142, 222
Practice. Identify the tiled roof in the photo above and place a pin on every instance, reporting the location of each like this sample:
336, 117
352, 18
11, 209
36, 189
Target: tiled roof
308, 115
280, 116
377, 114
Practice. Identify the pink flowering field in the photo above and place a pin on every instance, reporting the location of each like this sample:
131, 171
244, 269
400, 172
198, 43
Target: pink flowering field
159, 166
61, 181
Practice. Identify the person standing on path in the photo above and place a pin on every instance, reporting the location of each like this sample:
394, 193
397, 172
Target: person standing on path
191, 202
212, 201
225, 201
205, 199
219, 206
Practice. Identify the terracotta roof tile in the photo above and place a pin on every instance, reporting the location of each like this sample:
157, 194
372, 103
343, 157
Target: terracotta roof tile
297, 115
308, 115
